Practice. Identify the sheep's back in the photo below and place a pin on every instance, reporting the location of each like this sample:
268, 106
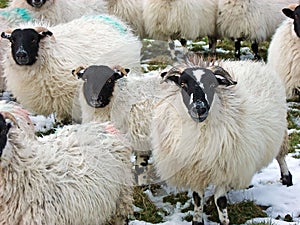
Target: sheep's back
283, 55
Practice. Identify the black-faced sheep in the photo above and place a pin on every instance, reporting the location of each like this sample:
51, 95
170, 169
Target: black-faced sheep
79, 175
10, 17
106, 95
284, 51
38, 70
207, 131
253, 20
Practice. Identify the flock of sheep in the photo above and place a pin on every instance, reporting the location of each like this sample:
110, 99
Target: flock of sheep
204, 122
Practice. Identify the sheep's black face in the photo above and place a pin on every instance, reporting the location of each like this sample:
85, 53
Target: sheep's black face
4, 128
295, 15
198, 88
99, 85
25, 44
36, 3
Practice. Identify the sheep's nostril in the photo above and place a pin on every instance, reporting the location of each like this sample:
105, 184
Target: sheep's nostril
21, 54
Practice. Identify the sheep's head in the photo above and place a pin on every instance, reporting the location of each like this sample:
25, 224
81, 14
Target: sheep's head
36, 3
99, 83
293, 12
198, 86
4, 128
25, 43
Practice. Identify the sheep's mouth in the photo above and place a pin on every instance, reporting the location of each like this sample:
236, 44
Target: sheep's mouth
198, 115
37, 4
20, 60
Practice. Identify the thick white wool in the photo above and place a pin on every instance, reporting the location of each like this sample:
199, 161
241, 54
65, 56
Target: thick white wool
253, 20
130, 11
189, 19
61, 11
242, 133
283, 55
79, 175
48, 85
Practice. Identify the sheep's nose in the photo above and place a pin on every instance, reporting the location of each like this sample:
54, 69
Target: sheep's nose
199, 111
22, 57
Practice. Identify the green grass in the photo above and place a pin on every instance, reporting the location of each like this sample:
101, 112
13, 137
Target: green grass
3, 3
238, 213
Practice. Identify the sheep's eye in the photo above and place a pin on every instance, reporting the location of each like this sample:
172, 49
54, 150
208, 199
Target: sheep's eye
33, 41
109, 81
183, 85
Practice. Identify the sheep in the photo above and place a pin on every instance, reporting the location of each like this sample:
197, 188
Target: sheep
38, 71
9, 17
206, 131
107, 95
169, 20
130, 11
79, 175
253, 20
56, 12
283, 52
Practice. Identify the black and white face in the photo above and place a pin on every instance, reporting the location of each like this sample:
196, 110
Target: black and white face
25, 44
295, 15
4, 128
36, 3
198, 89
99, 83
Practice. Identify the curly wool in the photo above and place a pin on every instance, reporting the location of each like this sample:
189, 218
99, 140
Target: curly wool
242, 133
79, 175
283, 55
48, 85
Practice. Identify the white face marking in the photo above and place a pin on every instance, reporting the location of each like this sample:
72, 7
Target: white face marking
191, 98
198, 75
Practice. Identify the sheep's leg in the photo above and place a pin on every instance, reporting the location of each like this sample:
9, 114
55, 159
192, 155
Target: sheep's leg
254, 47
286, 176
212, 43
198, 208
183, 43
172, 48
141, 169
221, 203
237, 47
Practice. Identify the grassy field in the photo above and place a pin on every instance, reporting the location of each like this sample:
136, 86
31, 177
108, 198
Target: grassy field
3, 3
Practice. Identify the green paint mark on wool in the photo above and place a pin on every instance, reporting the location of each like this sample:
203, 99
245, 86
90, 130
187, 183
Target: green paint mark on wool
111, 21
24, 15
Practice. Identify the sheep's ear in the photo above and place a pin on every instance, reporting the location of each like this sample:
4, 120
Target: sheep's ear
174, 78
79, 72
118, 75
5, 35
289, 13
45, 34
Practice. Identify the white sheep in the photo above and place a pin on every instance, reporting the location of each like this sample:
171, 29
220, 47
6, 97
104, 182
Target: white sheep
10, 17
79, 175
106, 95
38, 71
284, 51
59, 11
167, 20
204, 132
253, 20
130, 11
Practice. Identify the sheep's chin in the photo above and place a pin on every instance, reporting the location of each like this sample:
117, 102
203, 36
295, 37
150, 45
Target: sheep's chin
196, 117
